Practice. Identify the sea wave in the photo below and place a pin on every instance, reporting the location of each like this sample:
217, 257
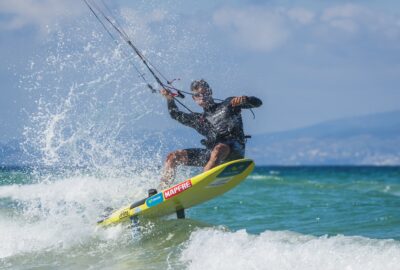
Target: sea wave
59, 214
216, 249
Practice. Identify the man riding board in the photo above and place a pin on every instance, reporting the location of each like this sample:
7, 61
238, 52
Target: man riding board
221, 124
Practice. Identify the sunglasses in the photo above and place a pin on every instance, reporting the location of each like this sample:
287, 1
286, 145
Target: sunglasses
199, 95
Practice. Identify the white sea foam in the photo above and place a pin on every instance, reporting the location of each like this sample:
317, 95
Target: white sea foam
259, 177
215, 249
63, 213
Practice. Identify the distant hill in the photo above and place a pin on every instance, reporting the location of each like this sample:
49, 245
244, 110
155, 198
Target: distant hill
365, 140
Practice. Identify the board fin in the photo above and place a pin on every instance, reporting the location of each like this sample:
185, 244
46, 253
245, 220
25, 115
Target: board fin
180, 213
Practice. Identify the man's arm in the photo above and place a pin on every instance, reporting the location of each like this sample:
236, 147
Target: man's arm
245, 102
188, 119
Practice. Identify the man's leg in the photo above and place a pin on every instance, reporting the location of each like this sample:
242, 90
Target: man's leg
218, 154
174, 159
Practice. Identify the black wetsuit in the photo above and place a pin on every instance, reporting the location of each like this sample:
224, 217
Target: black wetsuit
219, 123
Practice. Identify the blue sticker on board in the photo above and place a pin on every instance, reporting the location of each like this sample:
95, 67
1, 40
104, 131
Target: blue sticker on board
154, 200
234, 169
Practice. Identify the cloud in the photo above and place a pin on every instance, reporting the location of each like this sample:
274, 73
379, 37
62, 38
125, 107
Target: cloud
343, 11
17, 14
253, 28
345, 24
301, 15
21, 13
261, 28
139, 24
353, 19
345, 17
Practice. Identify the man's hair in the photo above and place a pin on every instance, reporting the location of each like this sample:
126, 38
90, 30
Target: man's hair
196, 84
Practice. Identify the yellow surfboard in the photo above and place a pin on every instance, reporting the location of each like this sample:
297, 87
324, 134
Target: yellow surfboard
186, 194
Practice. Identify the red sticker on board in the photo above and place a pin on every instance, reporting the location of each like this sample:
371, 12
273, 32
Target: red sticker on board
175, 190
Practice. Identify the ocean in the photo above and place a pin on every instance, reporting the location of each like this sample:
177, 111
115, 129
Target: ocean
278, 218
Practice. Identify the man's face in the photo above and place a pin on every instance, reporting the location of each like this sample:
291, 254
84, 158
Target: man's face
202, 97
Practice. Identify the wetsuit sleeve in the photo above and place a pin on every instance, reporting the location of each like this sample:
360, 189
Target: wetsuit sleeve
188, 119
251, 102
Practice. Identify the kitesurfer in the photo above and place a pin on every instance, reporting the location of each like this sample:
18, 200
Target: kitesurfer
220, 123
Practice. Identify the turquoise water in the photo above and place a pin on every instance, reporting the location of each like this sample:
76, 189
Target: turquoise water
361, 201
279, 218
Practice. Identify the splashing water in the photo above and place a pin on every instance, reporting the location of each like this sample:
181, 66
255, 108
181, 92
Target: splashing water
86, 106
92, 141
85, 141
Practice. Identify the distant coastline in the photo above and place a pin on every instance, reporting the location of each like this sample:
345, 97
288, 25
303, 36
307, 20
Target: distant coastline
371, 140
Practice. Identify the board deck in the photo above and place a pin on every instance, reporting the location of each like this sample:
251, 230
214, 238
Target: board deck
186, 194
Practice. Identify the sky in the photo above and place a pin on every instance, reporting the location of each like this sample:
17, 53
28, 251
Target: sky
309, 61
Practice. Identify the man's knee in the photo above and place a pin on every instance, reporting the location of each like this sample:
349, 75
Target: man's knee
221, 147
220, 151
179, 156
